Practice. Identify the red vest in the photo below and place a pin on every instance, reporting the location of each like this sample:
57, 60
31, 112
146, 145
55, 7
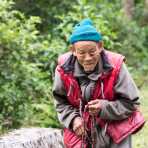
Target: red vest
118, 130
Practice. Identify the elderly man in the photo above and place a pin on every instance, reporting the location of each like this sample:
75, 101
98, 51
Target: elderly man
95, 96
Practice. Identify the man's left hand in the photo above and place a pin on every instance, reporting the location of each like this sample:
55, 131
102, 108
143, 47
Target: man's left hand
94, 107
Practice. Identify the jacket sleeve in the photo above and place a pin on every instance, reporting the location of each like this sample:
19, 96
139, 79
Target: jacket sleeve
127, 98
66, 112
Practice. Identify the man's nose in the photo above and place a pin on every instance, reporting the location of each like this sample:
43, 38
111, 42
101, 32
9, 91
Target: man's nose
87, 56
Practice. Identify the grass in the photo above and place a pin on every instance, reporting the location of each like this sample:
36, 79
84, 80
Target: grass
140, 140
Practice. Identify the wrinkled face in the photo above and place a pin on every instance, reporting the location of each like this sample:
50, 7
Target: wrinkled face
87, 53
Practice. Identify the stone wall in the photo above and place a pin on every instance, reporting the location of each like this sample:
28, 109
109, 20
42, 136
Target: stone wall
33, 138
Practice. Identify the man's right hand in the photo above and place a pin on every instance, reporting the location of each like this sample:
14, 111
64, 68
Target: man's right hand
78, 126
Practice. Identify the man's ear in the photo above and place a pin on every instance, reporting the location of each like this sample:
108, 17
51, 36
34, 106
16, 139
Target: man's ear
72, 49
100, 45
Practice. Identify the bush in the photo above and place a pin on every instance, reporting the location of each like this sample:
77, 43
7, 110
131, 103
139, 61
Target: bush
119, 34
24, 78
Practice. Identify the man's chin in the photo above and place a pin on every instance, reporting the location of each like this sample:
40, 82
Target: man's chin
88, 70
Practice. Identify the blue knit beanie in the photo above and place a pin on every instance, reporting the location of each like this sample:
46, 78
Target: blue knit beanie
85, 31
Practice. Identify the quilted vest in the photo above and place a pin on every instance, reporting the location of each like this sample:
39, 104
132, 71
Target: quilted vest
117, 130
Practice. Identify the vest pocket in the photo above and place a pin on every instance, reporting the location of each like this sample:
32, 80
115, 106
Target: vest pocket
119, 130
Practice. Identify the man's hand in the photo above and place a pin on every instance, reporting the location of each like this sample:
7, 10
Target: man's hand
78, 126
94, 107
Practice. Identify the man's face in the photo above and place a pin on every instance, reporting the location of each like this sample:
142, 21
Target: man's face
87, 53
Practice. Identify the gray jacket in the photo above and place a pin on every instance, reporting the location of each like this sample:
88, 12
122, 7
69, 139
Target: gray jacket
111, 110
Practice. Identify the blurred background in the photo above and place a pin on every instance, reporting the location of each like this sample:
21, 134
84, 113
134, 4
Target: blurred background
33, 33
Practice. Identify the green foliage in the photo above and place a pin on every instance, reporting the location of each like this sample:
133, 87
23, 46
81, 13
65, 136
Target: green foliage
119, 34
34, 33
45, 9
23, 77
42, 114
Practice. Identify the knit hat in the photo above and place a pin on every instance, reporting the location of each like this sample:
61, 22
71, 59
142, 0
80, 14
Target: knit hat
85, 31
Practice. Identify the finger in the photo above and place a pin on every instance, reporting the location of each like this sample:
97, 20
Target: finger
80, 131
83, 130
76, 127
95, 106
77, 132
93, 112
86, 107
93, 102
77, 124
91, 109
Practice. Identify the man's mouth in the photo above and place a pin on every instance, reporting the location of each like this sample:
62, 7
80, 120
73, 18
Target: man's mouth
87, 64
